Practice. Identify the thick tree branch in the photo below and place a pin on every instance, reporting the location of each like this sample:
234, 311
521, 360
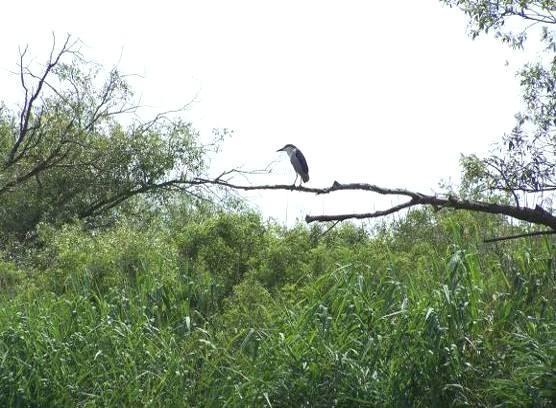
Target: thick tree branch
537, 215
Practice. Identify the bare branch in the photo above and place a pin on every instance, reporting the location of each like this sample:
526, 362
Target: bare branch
537, 215
527, 234
376, 214
28, 102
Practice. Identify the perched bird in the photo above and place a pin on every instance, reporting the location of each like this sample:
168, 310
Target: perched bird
298, 162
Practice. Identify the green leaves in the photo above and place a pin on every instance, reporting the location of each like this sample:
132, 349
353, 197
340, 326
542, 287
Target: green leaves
224, 309
78, 153
486, 15
524, 160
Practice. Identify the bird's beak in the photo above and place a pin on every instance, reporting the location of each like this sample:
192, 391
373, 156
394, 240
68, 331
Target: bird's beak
280, 150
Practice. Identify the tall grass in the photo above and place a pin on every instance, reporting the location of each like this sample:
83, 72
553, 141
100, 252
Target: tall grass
231, 312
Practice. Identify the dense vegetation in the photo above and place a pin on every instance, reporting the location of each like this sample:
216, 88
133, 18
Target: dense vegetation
123, 284
222, 309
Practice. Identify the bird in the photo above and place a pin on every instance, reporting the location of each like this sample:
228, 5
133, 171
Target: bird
298, 162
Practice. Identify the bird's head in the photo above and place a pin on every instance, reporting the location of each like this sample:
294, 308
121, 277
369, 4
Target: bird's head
287, 148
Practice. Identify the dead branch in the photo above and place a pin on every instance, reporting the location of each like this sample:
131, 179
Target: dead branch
537, 215
31, 95
527, 234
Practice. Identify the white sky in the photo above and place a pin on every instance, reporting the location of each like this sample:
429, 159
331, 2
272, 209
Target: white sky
388, 93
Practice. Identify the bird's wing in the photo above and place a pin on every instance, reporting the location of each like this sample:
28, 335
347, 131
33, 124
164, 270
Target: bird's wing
302, 161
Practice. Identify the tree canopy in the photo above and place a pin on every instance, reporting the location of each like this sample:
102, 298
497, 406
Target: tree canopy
525, 159
66, 153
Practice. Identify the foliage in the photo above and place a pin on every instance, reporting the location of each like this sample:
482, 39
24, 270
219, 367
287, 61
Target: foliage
525, 159
188, 305
505, 16
225, 310
67, 154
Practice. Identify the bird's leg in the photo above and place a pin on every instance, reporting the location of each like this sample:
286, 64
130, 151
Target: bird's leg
295, 181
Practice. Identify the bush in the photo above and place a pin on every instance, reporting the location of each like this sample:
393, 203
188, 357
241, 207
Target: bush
226, 310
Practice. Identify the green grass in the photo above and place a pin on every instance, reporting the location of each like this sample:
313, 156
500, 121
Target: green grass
228, 311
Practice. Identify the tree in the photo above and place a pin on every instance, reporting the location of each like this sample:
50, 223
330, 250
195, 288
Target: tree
524, 162
66, 154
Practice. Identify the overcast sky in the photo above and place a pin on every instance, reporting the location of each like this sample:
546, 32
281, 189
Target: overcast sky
389, 93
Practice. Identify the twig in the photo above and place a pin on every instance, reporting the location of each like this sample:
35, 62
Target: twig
329, 229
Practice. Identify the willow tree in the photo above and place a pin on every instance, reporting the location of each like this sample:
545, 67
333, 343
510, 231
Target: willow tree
75, 147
